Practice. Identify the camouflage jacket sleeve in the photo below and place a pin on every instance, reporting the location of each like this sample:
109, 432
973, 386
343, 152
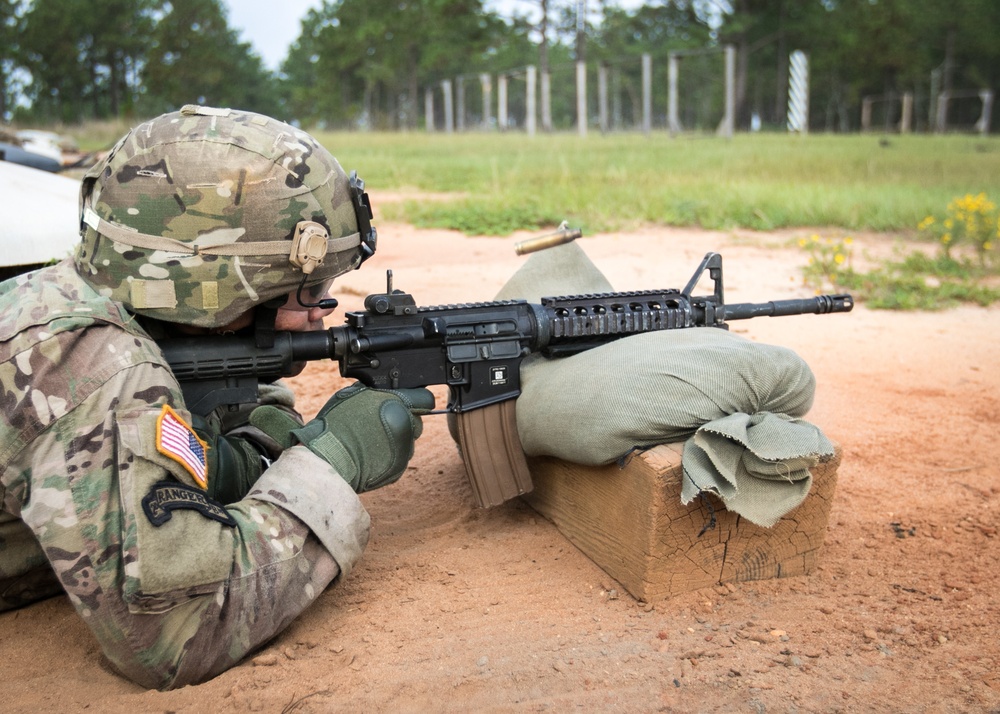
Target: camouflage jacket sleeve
176, 587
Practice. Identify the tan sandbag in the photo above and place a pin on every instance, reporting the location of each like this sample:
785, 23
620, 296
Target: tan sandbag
735, 401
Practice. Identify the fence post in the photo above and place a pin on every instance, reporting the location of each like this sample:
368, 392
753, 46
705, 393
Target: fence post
602, 97
429, 109
673, 120
647, 93
449, 111
546, 101
460, 103
866, 115
932, 106
581, 98
502, 102
941, 120
906, 117
616, 99
486, 82
728, 123
983, 124
531, 120
798, 93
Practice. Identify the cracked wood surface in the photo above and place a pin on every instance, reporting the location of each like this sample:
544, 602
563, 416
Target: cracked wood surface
631, 523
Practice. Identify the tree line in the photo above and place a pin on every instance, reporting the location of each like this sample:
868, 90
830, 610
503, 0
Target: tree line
367, 63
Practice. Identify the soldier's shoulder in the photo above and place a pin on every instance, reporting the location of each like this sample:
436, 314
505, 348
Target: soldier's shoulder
55, 305
59, 297
61, 344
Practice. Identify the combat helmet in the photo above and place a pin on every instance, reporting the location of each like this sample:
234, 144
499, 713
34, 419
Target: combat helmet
199, 215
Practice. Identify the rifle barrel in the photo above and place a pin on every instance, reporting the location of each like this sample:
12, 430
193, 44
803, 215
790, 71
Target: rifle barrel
819, 305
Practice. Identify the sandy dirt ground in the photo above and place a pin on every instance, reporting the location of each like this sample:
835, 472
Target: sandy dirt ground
459, 609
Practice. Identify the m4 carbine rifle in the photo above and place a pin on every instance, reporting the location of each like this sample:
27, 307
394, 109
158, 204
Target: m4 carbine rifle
476, 349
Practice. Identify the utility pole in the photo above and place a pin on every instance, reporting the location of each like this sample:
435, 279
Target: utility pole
546, 75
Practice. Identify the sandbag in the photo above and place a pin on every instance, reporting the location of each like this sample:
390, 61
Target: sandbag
735, 402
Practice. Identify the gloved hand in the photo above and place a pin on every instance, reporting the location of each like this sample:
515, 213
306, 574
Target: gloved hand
366, 434
234, 462
238, 453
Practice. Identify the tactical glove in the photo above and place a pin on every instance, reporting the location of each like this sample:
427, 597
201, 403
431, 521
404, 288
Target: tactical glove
239, 453
366, 434
234, 463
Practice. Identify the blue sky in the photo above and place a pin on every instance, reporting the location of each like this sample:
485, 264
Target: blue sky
268, 25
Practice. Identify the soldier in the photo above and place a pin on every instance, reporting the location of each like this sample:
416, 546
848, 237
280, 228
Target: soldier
187, 542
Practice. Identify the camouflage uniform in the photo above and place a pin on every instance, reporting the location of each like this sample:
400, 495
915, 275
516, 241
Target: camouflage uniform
176, 587
174, 604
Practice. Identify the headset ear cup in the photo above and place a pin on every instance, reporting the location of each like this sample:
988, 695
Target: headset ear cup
309, 246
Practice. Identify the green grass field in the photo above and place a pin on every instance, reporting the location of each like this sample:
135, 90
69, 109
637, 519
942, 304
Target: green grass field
492, 184
506, 182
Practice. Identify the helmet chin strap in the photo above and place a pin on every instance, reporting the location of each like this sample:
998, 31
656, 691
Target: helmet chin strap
265, 315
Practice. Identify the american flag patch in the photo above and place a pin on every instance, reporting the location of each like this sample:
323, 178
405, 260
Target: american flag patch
175, 439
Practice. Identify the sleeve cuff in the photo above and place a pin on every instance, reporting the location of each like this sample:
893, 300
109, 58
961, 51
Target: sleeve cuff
310, 489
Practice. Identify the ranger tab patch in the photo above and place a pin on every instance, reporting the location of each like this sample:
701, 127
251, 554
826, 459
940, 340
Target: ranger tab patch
168, 496
177, 440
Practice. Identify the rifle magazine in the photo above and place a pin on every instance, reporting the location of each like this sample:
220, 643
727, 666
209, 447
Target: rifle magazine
491, 449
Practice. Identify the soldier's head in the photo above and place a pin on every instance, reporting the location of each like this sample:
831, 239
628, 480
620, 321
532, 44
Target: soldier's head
200, 215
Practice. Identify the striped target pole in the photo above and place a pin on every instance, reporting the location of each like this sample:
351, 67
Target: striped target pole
798, 93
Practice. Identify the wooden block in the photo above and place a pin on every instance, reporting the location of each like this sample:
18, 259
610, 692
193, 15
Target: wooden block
631, 523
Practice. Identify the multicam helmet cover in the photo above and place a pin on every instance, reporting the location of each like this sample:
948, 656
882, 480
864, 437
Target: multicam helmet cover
198, 215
